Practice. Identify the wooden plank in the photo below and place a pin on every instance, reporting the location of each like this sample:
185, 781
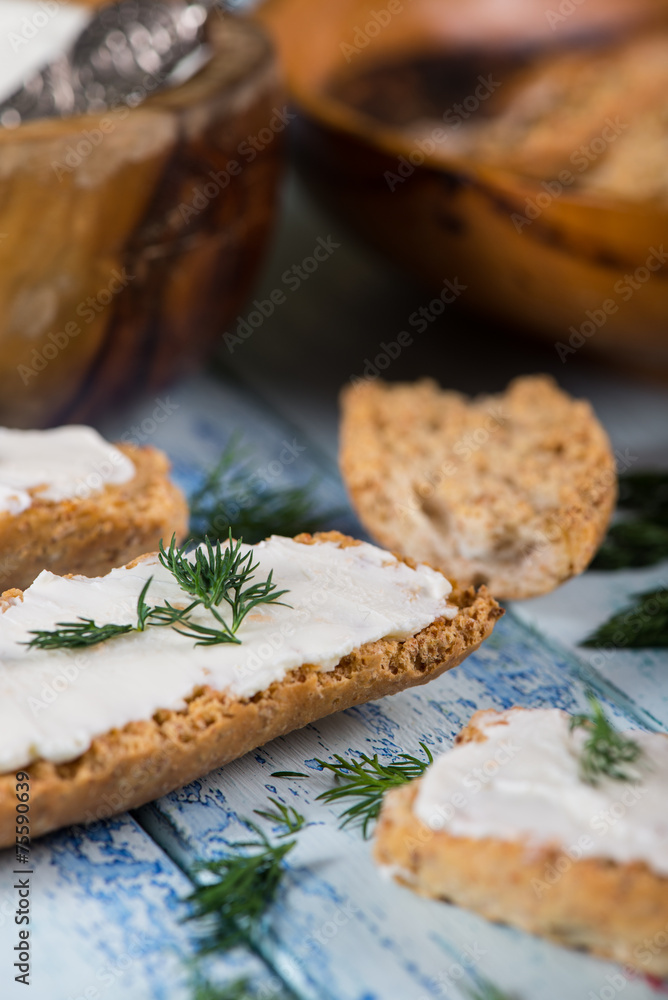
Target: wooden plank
339, 929
106, 920
202, 414
576, 609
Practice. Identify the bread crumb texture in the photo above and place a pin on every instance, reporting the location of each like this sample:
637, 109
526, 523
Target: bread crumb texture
513, 490
90, 535
146, 759
618, 911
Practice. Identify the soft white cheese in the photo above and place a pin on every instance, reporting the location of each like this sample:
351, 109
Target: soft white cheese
59, 464
522, 783
33, 34
53, 704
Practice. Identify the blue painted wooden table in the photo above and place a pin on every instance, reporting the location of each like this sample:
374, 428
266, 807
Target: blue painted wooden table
107, 904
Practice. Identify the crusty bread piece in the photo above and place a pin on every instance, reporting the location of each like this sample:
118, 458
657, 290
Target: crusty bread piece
91, 535
126, 768
514, 491
595, 904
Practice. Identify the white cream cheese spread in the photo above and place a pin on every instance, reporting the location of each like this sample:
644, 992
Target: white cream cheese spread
59, 464
53, 704
522, 783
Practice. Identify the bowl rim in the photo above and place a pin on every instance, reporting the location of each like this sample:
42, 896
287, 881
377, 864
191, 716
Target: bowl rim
324, 109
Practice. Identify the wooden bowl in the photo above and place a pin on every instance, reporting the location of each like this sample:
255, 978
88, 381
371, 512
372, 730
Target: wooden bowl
128, 240
447, 216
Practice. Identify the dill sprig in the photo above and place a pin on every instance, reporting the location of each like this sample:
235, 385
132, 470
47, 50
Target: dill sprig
84, 632
367, 779
74, 635
213, 577
239, 989
640, 625
282, 815
245, 884
606, 752
642, 538
225, 502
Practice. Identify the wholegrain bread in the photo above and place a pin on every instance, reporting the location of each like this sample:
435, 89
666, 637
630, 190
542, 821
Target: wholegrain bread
616, 910
514, 491
125, 768
91, 534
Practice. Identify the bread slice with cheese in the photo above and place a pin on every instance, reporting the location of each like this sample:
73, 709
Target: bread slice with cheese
115, 725
71, 502
503, 824
514, 490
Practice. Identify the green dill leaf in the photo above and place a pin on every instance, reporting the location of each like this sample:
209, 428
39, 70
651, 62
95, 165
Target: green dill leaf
641, 539
216, 575
642, 624
84, 632
632, 544
225, 503
239, 989
143, 609
75, 635
288, 774
166, 614
606, 752
245, 883
283, 815
366, 780
205, 635
213, 576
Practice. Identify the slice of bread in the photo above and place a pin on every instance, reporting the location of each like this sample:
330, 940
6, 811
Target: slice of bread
616, 910
127, 767
514, 491
92, 533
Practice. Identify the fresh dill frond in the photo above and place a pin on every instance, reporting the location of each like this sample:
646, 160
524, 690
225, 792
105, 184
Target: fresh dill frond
642, 624
75, 635
606, 752
245, 884
214, 576
85, 632
642, 538
367, 779
143, 609
225, 502
630, 544
239, 989
282, 815
207, 575
206, 635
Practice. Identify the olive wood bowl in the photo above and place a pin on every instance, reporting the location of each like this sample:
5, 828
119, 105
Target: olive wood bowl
129, 239
446, 216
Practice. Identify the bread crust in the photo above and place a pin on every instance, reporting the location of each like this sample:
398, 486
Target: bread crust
514, 491
126, 768
618, 911
91, 535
